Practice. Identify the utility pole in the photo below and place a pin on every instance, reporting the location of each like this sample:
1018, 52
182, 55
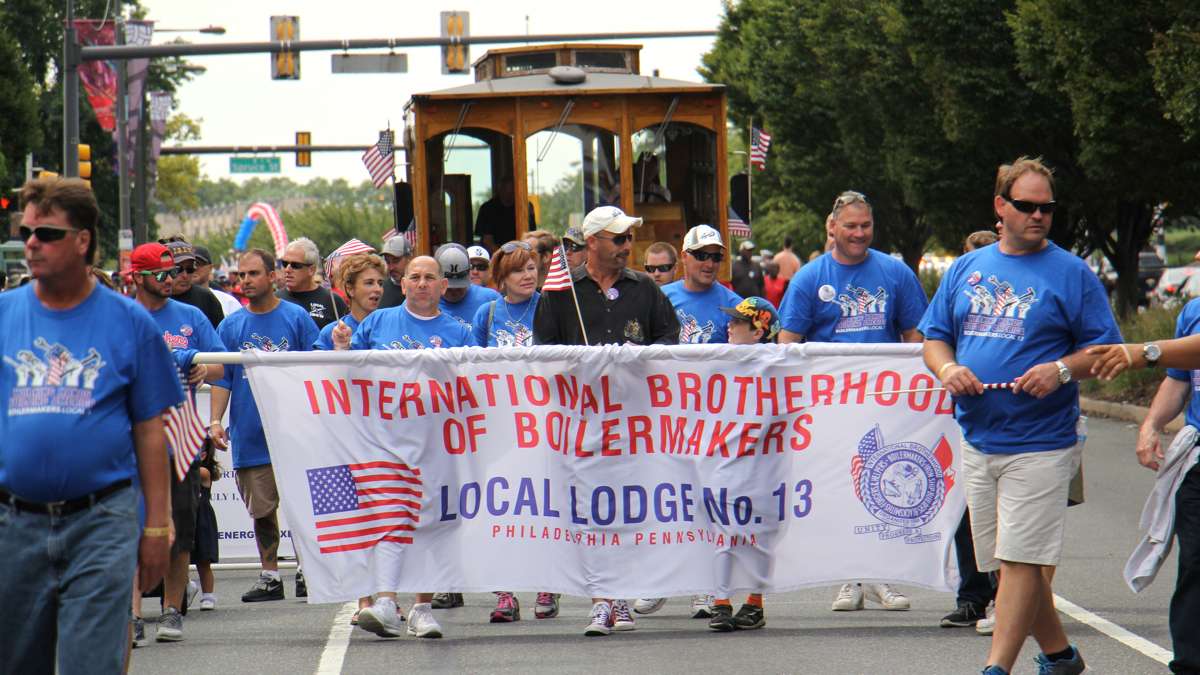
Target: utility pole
141, 220
70, 95
122, 127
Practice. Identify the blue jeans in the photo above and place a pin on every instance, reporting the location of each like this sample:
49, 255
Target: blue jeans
65, 587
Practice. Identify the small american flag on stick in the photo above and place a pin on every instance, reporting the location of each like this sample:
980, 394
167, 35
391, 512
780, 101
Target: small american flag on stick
380, 159
185, 431
357, 506
558, 278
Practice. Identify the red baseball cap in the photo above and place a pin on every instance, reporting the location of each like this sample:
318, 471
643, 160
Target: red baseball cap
152, 256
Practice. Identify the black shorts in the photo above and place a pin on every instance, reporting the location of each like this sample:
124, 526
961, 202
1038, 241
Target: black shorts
184, 498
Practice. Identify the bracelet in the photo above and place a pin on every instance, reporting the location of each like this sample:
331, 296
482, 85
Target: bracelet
156, 531
944, 367
212, 422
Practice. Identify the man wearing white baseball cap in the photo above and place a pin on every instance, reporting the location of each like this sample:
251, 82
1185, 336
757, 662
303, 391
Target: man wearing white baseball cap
481, 266
697, 297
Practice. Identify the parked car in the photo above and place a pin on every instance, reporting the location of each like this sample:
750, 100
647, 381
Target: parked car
1150, 268
1175, 284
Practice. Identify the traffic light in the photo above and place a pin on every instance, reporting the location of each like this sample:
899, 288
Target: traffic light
303, 157
85, 163
456, 57
285, 65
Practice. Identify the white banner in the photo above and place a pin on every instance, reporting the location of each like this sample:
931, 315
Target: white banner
612, 471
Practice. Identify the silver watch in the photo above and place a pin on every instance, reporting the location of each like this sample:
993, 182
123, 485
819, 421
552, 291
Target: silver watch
1064, 373
1152, 353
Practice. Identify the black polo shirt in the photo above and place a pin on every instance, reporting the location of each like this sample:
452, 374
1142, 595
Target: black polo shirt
639, 314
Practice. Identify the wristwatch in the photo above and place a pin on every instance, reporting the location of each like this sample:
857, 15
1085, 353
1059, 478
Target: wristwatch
1064, 373
1152, 353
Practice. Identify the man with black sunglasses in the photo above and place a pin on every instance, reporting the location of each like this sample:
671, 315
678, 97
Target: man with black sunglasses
576, 245
660, 262
697, 297
298, 267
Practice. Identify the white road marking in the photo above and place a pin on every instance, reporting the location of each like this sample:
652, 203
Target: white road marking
1112, 630
338, 641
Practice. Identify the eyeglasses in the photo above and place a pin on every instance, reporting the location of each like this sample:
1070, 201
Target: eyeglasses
480, 267
1028, 207
661, 269
161, 276
513, 246
45, 233
293, 264
705, 256
572, 247
187, 269
617, 240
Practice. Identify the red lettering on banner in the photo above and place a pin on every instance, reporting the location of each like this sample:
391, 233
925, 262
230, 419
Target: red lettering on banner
539, 395
743, 384
489, 382
793, 391
608, 446
568, 390
312, 397
888, 380
920, 381
746, 444
850, 385
672, 436
695, 440
385, 399
639, 430
715, 402
689, 388
774, 433
440, 392
512, 389
588, 402
718, 438
803, 437
610, 406
527, 435
945, 405
336, 397
411, 392
475, 429
453, 437
364, 387
659, 388
465, 394
579, 451
822, 387
769, 394
557, 438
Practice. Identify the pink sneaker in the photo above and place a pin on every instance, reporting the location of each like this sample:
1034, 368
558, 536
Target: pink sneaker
507, 608
547, 606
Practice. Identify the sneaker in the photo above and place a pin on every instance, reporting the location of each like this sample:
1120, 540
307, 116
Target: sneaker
849, 598
749, 617
447, 600
967, 614
884, 595
722, 619
301, 585
170, 626
421, 622
702, 606
622, 619
208, 602
546, 606
193, 589
354, 618
139, 632
1071, 666
648, 605
601, 613
994, 670
381, 618
266, 588
508, 609
987, 625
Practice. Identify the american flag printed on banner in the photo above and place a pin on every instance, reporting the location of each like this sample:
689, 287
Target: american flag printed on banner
380, 159
760, 143
558, 278
185, 432
357, 506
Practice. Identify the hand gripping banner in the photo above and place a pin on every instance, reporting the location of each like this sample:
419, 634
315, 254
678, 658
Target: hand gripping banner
612, 471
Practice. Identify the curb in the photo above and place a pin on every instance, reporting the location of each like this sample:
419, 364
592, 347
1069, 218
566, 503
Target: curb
1124, 411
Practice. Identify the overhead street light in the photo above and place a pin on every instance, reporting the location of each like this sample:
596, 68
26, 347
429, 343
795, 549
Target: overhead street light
211, 30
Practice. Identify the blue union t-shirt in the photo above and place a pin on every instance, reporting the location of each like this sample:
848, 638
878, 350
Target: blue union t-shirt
873, 301
1187, 324
324, 341
287, 328
1004, 314
701, 320
510, 325
185, 327
72, 385
464, 310
398, 328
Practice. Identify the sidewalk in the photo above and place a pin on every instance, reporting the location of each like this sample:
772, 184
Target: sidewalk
1123, 411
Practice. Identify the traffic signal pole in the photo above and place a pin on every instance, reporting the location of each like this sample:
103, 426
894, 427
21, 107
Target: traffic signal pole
71, 59
122, 129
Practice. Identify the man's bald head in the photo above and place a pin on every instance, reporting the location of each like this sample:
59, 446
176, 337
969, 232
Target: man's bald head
423, 285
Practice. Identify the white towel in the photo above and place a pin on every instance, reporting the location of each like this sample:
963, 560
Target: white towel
1158, 515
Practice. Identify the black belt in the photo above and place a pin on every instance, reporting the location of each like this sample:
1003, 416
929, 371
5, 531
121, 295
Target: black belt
63, 508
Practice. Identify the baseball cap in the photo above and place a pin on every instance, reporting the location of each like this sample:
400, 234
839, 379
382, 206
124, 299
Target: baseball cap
478, 252
455, 264
759, 312
152, 256
701, 236
181, 251
747, 245
397, 246
575, 234
202, 255
608, 219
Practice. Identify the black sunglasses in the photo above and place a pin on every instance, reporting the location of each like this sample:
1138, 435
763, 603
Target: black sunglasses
572, 247
704, 256
659, 268
45, 234
617, 240
161, 276
293, 264
480, 267
1029, 207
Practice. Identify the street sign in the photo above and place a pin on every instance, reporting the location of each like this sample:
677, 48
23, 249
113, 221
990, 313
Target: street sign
369, 63
253, 165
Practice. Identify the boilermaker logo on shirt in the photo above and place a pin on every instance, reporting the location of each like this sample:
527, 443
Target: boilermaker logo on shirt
998, 311
690, 330
517, 335
409, 342
316, 310
55, 382
861, 309
264, 344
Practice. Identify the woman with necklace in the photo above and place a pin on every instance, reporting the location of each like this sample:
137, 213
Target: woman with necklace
508, 322
360, 277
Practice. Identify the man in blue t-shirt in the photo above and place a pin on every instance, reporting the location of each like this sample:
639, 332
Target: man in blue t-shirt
462, 298
84, 381
186, 331
853, 293
272, 325
697, 297
1021, 311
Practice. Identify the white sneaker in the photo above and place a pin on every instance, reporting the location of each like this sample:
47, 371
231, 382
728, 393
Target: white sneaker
702, 606
208, 602
648, 605
382, 618
884, 595
622, 619
420, 622
193, 589
601, 613
849, 598
987, 625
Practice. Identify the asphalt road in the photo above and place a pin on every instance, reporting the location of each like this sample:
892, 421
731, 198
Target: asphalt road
802, 634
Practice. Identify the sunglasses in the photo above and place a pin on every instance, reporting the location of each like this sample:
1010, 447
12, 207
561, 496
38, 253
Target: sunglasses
705, 256
618, 240
162, 275
572, 247
1029, 207
293, 264
513, 246
480, 267
45, 233
661, 269
187, 269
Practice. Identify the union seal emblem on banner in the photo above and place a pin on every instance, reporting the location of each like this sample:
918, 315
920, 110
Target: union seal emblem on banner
903, 485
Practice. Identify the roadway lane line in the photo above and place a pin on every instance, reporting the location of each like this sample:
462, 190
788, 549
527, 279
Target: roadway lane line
338, 641
1112, 630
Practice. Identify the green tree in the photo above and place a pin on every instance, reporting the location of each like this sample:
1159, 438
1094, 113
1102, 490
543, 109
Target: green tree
20, 131
177, 182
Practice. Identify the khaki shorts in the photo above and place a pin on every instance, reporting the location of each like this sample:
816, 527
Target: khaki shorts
1018, 504
256, 484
